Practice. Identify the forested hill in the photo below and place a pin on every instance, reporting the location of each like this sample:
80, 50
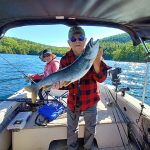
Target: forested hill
118, 47
18, 46
120, 38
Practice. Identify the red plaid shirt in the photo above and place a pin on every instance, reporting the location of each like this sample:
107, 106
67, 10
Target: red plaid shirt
84, 93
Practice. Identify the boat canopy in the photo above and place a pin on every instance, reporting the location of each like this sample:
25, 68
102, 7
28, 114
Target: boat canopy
131, 16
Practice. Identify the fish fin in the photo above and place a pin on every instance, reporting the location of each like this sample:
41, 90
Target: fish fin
66, 83
34, 90
46, 87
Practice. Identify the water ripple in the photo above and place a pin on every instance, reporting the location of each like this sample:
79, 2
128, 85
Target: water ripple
132, 76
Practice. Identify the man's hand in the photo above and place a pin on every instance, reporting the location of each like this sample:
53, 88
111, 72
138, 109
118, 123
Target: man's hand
58, 85
29, 75
99, 55
98, 59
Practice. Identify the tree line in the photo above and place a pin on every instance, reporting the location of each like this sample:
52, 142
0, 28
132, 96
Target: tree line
18, 46
118, 47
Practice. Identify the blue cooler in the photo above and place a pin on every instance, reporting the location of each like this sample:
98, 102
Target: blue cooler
51, 110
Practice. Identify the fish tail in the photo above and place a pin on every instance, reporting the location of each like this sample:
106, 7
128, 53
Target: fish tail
34, 90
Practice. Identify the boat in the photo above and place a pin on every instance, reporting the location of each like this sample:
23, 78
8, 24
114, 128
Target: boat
123, 122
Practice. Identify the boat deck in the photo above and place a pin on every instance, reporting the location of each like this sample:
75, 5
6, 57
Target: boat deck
56, 146
108, 114
111, 130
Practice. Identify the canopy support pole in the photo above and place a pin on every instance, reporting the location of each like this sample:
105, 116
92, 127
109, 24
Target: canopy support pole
146, 77
147, 69
145, 87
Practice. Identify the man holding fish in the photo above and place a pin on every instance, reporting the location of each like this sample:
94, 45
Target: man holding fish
83, 93
81, 69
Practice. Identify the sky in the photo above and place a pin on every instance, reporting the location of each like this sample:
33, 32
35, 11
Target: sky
57, 35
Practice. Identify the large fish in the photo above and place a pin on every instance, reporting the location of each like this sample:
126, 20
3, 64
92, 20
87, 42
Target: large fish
71, 73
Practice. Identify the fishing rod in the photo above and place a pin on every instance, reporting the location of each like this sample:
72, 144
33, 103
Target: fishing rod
21, 100
29, 100
12, 64
16, 100
10, 79
18, 69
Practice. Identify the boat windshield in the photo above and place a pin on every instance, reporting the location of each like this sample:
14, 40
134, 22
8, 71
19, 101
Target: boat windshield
25, 43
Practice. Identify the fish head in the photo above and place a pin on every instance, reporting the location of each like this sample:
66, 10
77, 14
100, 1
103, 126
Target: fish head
91, 49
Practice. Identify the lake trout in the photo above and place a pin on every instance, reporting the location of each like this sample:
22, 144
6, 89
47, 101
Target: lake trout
71, 73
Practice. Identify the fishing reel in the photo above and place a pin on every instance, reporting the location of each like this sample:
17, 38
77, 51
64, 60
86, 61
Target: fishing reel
114, 75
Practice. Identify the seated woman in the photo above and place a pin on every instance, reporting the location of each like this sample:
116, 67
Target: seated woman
52, 65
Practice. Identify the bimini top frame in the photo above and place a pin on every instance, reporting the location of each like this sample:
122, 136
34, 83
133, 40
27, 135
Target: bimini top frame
132, 16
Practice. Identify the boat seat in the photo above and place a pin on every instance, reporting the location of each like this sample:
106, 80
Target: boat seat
6, 114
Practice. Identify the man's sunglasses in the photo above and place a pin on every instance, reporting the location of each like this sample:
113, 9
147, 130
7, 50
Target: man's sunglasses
74, 39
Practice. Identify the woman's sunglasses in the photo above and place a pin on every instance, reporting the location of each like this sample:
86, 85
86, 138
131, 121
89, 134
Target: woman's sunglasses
74, 39
46, 55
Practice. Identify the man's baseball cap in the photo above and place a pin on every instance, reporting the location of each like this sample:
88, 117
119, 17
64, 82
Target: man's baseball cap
75, 30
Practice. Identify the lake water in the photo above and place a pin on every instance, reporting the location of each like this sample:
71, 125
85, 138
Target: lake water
132, 76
